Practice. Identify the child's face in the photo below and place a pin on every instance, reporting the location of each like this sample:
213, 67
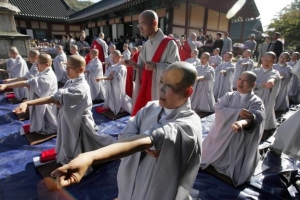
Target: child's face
283, 59
72, 72
12, 55
72, 51
227, 57
204, 59
246, 54
193, 54
294, 57
267, 62
216, 52
32, 59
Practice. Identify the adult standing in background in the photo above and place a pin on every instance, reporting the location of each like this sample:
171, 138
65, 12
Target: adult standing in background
218, 42
227, 44
276, 45
263, 49
251, 43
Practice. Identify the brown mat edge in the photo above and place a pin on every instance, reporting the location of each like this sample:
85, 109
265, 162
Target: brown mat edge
36, 138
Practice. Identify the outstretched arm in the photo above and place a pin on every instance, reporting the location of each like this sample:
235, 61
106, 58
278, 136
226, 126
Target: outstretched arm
74, 171
13, 85
23, 106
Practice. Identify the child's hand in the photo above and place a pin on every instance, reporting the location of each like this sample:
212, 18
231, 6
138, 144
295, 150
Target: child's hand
2, 87
21, 108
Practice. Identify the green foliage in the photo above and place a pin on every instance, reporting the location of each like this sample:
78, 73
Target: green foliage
78, 5
288, 24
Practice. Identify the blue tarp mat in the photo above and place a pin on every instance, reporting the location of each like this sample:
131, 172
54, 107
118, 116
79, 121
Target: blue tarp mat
20, 180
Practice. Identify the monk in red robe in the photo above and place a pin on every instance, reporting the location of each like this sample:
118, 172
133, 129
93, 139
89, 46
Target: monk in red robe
130, 72
187, 47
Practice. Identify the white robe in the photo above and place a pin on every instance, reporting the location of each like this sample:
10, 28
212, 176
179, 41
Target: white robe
234, 154
203, 98
194, 61
76, 129
116, 98
43, 118
287, 136
33, 72
126, 55
95, 71
149, 48
239, 69
223, 82
104, 46
294, 85
172, 174
282, 100
59, 68
216, 60
268, 95
18, 68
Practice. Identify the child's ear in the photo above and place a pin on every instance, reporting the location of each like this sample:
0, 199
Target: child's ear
189, 91
81, 69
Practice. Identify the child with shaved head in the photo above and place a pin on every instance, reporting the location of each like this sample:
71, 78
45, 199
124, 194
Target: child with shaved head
42, 117
168, 130
76, 129
16, 68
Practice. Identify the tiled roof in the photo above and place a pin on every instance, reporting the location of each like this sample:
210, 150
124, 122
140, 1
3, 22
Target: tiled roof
236, 28
101, 8
46, 9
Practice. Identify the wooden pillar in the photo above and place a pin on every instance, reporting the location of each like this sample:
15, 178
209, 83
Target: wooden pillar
205, 21
242, 31
187, 17
49, 30
169, 22
67, 28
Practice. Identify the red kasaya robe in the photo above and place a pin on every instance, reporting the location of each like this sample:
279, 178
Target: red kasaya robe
185, 51
130, 74
96, 45
144, 95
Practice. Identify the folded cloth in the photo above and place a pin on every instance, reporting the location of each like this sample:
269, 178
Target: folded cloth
10, 96
101, 110
48, 155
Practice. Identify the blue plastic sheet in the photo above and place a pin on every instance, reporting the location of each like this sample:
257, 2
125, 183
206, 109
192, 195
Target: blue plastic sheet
20, 180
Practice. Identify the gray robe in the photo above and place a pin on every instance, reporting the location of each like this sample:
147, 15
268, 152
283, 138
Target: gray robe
80, 44
116, 97
126, 55
268, 95
172, 174
294, 84
223, 82
287, 136
215, 60
43, 118
194, 61
203, 98
104, 46
282, 100
239, 69
76, 129
59, 68
95, 71
234, 154
227, 45
17, 68
169, 56
33, 72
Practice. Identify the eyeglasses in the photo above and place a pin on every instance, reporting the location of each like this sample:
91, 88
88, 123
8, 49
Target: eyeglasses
142, 24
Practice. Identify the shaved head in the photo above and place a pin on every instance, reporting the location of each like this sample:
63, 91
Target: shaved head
45, 58
149, 15
193, 36
185, 72
285, 54
251, 76
34, 53
206, 54
13, 50
271, 54
101, 35
74, 47
77, 61
59, 48
95, 52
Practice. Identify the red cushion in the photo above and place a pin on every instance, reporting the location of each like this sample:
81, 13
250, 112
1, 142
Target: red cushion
26, 128
100, 109
10, 96
48, 155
